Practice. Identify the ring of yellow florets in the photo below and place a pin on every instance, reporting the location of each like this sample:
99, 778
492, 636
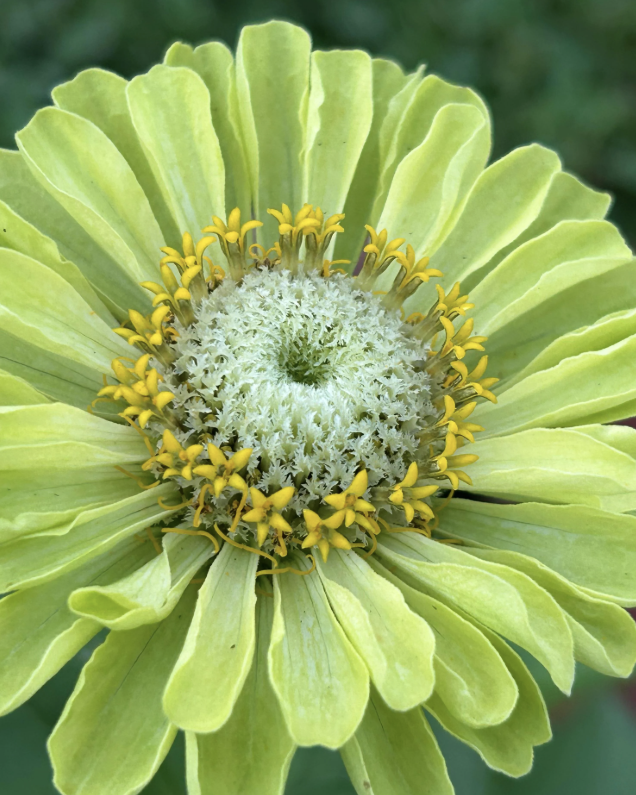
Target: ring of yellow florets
219, 484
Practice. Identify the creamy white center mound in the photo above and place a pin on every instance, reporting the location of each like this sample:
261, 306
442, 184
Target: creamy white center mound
312, 373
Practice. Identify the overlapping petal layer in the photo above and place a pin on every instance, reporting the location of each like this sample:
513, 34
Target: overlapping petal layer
343, 656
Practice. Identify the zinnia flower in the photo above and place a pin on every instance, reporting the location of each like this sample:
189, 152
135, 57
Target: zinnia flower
265, 481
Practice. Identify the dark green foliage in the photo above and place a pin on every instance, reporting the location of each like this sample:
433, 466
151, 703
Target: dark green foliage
561, 72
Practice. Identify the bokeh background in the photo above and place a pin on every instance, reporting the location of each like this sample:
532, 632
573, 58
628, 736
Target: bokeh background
560, 72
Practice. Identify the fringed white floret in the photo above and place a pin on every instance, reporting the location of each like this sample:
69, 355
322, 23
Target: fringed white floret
311, 373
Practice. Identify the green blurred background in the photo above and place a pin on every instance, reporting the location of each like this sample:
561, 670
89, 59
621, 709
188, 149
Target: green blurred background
561, 72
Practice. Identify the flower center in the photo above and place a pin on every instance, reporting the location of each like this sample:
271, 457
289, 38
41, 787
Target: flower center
303, 362
312, 374
292, 404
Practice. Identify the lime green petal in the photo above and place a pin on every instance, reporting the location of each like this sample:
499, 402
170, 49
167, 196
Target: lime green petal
85, 172
149, 594
113, 735
622, 411
604, 634
568, 393
256, 727
396, 645
620, 437
15, 391
505, 200
391, 148
214, 63
395, 753
470, 676
321, 682
63, 436
19, 235
272, 80
515, 346
594, 549
50, 500
570, 252
567, 199
388, 82
32, 656
218, 651
338, 122
37, 559
507, 747
59, 462
556, 466
22, 192
55, 376
100, 97
409, 122
39, 634
435, 177
505, 600
185, 156
603, 333
591, 380
42, 308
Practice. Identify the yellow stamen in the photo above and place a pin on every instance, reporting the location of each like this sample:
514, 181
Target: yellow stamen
244, 546
154, 541
139, 482
142, 434
183, 532
172, 507
374, 546
300, 572
197, 514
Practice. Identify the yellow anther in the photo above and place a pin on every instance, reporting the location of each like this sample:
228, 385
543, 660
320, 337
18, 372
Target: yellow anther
441, 459
452, 304
418, 270
408, 278
265, 513
462, 460
464, 342
318, 237
192, 257
327, 270
223, 471
379, 255
175, 296
308, 226
323, 533
367, 522
232, 239
149, 332
447, 463
139, 387
459, 341
190, 265
449, 410
414, 318
297, 225
189, 456
177, 459
350, 500
457, 422
472, 383
410, 497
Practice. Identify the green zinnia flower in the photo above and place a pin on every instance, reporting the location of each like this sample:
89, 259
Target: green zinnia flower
273, 542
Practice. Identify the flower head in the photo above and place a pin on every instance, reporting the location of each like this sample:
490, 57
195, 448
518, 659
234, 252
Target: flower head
263, 444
